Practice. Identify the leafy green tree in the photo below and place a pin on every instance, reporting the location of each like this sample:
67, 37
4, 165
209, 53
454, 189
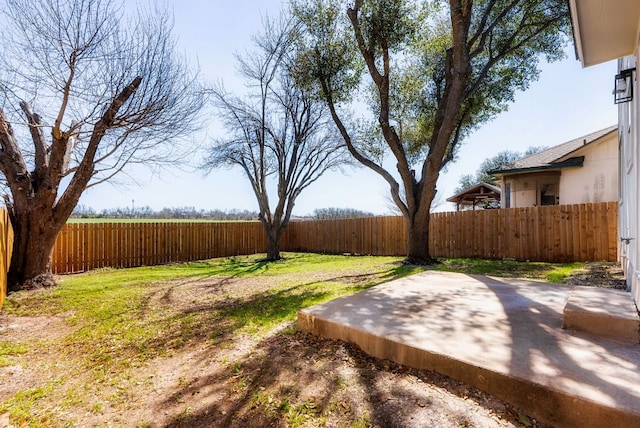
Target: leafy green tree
501, 160
430, 72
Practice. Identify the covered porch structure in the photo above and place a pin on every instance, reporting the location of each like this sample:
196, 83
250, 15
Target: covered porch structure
482, 194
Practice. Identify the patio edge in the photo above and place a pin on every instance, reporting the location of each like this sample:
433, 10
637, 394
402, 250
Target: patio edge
542, 402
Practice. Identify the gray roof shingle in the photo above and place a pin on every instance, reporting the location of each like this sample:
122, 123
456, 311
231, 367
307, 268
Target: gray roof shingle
548, 157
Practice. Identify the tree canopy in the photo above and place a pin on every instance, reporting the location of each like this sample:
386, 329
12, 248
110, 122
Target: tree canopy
500, 160
430, 72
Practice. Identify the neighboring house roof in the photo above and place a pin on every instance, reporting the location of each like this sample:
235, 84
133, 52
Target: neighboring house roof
560, 156
471, 196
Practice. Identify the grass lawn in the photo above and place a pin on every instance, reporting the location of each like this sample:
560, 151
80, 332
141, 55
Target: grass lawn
214, 343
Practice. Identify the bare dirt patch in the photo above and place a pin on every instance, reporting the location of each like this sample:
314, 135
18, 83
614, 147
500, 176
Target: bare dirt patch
598, 274
214, 374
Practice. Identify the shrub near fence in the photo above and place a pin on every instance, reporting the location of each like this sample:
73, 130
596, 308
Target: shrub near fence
561, 233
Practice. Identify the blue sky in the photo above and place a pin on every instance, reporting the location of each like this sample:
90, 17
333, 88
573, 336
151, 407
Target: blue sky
565, 103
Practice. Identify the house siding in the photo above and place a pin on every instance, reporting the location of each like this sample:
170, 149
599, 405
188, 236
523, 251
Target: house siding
629, 193
597, 179
580, 171
525, 188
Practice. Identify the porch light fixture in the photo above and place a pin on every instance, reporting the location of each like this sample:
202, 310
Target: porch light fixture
623, 90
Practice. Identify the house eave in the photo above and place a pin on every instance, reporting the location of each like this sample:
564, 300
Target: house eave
604, 31
550, 167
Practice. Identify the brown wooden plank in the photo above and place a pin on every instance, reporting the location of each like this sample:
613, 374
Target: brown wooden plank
590, 232
613, 233
4, 252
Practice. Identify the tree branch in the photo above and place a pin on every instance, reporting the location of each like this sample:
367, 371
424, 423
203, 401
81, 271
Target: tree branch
37, 136
80, 179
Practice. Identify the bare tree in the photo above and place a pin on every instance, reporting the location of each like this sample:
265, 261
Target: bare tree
278, 135
84, 93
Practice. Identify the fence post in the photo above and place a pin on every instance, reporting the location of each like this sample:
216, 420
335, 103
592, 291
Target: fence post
6, 247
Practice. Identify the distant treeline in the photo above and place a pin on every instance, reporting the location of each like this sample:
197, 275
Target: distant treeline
191, 213
146, 212
336, 213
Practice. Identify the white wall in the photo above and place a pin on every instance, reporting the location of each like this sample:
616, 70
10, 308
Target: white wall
597, 179
523, 192
525, 188
628, 125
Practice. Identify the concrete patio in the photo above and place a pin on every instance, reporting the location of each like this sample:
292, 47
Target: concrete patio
502, 336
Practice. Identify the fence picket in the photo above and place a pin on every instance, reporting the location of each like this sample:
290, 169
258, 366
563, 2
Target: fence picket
6, 246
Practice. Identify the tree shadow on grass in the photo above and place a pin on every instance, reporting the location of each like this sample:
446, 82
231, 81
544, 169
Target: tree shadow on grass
265, 388
293, 379
213, 299
227, 266
288, 379
217, 322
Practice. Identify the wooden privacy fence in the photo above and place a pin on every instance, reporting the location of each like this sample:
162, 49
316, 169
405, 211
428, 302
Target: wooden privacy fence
561, 233
385, 236
85, 246
558, 233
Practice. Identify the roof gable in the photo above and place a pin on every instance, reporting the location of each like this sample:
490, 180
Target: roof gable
557, 156
479, 191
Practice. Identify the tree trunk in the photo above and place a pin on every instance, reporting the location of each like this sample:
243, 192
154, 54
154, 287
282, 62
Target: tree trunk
34, 238
418, 240
273, 243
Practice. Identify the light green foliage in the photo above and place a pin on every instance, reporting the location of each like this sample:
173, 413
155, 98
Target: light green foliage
105, 306
429, 75
114, 328
330, 58
502, 160
551, 272
503, 43
22, 404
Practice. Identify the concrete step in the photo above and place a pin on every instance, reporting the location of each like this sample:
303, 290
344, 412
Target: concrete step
502, 336
602, 312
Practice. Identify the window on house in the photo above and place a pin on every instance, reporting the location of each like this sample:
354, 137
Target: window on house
549, 194
507, 195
